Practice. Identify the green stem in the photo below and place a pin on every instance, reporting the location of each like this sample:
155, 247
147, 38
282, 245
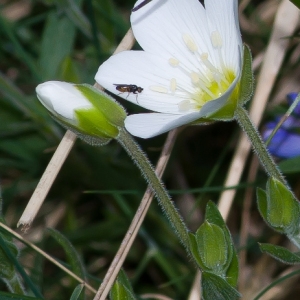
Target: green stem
242, 117
157, 186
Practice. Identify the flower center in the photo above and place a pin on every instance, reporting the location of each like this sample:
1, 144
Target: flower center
208, 81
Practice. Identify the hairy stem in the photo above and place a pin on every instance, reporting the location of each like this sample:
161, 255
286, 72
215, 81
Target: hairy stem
242, 117
157, 186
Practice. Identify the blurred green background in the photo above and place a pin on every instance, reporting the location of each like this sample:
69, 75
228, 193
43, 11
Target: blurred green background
98, 189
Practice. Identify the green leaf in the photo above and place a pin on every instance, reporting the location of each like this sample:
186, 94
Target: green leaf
212, 214
296, 2
247, 79
10, 296
57, 44
291, 165
283, 208
10, 264
232, 273
120, 292
77, 291
68, 71
216, 288
72, 255
122, 289
280, 253
123, 279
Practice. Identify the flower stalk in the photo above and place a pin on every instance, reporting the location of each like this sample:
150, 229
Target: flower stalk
258, 145
157, 186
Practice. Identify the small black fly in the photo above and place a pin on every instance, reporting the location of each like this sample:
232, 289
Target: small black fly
129, 88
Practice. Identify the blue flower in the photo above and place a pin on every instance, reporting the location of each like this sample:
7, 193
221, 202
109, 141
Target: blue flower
286, 141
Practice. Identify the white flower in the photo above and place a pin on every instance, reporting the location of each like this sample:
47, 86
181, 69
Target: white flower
190, 66
62, 98
91, 114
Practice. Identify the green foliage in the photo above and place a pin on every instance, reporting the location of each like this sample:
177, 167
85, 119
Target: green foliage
214, 252
77, 291
291, 165
217, 288
67, 40
72, 256
279, 207
11, 296
122, 288
280, 253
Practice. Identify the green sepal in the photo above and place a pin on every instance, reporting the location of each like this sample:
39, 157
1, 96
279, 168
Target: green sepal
283, 208
280, 253
232, 273
89, 139
226, 264
194, 250
217, 288
113, 112
247, 80
212, 247
262, 203
94, 123
213, 215
122, 289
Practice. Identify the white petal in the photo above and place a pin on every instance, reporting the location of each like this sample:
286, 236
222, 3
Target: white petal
61, 98
222, 17
144, 70
160, 25
153, 124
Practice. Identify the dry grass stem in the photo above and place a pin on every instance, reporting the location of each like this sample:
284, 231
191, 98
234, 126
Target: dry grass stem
136, 222
245, 226
59, 158
47, 256
285, 24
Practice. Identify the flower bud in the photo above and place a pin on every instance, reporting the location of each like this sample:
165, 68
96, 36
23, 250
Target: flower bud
279, 207
90, 113
212, 247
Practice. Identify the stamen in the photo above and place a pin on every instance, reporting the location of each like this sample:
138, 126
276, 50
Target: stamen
159, 89
185, 105
196, 80
195, 77
207, 63
173, 85
174, 62
216, 39
189, 42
